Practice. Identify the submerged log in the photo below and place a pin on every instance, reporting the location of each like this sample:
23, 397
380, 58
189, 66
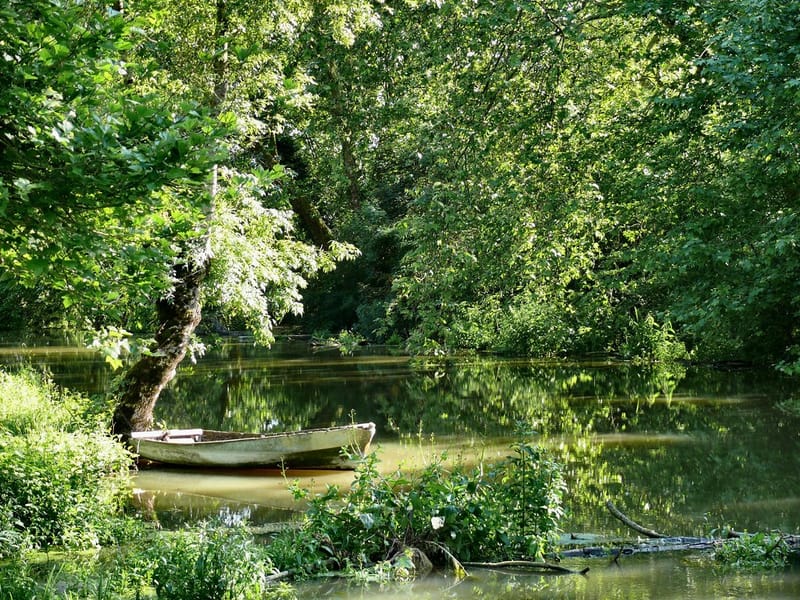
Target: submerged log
616, 548
659, 542
528, 565
665, 544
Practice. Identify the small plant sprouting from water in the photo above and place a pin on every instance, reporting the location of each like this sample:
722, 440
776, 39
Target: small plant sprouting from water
756, 552
346, 341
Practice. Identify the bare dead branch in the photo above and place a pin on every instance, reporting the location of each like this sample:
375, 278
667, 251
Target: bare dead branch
541, 566
632, 524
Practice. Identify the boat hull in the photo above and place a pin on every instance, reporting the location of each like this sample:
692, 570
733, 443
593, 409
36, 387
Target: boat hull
330, 448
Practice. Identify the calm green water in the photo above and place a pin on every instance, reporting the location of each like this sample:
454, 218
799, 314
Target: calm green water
681, 451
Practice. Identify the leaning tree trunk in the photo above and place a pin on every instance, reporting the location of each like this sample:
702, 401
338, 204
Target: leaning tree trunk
178, 317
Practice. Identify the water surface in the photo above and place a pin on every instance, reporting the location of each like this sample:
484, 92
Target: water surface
683, 451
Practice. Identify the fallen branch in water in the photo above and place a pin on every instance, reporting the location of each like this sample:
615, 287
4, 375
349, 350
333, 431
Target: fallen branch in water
632, 524
278, 576
543, 566
664, 543
671, 544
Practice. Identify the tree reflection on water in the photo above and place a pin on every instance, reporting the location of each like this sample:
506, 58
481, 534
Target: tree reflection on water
686, 450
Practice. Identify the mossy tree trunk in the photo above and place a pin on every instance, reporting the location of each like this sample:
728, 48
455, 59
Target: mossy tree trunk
178, 315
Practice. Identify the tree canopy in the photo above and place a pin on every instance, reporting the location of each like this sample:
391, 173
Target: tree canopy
549, 178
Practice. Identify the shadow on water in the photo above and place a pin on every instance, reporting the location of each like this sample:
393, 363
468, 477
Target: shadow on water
637, 578
684, 451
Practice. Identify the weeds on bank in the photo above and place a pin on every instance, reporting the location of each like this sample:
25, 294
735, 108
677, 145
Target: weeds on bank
214, 560
211, 561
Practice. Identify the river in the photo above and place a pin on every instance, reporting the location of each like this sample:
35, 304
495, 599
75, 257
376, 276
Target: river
686, 451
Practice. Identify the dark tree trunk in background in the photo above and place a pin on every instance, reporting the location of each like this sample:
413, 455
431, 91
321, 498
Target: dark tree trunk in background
286, 152
312, 222
351, 172
178, 316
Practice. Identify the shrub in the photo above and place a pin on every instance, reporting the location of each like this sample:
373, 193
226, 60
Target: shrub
531, 327
645, 339
45, 580
506, 511
212, 562
62, 488
62, 480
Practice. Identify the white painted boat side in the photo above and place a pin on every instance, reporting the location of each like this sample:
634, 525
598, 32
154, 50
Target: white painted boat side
309, 448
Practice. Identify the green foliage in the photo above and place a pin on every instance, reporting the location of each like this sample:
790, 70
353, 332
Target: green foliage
32, 403
132, 147
206, 561
502, 511
57, 496
21, 581
259, 268
790, 406
213, 561
645, 339
693, 177
532, 327
72, 577
62, 480
757, 552
12, 537
98, 179
566, 178
544, 178
346, 341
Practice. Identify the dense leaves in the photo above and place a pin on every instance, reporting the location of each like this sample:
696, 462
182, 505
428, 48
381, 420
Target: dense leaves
113, 127
99, 183
572, 177
545, 178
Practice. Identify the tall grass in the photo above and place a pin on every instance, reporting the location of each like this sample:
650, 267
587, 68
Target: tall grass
30, 402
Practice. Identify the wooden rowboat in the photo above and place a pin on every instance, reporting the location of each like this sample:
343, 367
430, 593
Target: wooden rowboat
329, 448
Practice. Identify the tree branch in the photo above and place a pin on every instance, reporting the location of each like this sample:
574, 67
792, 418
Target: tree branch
545, 566
632, 524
